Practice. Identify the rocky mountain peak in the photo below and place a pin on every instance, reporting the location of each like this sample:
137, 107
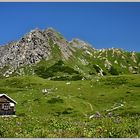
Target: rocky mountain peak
77, 43
33, 47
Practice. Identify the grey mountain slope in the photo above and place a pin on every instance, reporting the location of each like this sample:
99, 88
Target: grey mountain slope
39, 48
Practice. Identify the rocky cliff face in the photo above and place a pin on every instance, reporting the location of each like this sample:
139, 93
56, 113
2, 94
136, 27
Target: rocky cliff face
37, 46
32, 48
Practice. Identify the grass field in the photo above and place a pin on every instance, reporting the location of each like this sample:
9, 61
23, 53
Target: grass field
69, 108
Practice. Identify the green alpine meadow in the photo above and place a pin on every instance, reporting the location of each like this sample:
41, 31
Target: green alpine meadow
69, 89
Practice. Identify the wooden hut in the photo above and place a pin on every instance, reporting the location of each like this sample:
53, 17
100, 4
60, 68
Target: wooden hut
7, 105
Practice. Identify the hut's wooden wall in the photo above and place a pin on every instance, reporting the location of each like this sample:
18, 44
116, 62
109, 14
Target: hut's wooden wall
9, 110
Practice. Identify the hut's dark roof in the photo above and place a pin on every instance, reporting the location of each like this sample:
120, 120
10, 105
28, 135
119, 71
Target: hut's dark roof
8, 98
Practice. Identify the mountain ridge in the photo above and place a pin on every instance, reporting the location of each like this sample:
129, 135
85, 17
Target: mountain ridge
45, 48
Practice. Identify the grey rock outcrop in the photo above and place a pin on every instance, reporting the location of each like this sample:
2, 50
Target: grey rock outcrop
32, 48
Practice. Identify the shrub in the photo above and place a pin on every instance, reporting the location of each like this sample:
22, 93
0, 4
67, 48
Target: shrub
44, 72
67, 110
113, 71
55, 100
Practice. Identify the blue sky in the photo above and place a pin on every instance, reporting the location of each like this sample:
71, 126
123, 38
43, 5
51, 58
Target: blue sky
104, 25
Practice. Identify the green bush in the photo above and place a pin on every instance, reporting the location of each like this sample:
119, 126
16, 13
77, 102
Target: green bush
58, 67
68, 78
113, 71
55, 100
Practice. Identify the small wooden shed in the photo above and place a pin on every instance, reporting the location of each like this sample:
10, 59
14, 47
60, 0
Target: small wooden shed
7, 105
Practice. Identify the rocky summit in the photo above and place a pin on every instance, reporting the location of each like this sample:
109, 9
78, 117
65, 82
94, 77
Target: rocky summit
46, 53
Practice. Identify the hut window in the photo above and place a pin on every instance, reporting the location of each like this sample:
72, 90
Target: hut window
5, 106
12, 105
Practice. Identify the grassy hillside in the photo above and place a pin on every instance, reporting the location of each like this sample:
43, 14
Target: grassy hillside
70, 108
